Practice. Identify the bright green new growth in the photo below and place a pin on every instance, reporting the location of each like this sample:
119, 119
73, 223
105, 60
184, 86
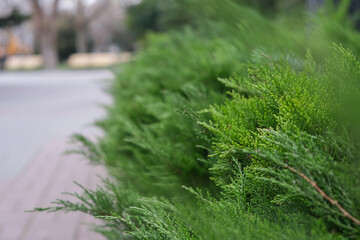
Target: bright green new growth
232, 109
283, 129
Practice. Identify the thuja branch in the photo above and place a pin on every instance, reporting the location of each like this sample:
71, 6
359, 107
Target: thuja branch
324, 195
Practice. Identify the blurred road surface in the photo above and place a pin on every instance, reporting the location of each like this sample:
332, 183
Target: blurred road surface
38, 111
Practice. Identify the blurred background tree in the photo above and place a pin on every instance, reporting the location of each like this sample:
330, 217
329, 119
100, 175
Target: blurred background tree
66, 43
83, 16
13, 19
45, 19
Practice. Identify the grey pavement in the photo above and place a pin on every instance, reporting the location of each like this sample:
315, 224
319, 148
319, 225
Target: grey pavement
38, 111
38, 106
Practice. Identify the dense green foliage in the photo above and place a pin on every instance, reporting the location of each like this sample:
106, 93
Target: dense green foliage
232, 129
164, 15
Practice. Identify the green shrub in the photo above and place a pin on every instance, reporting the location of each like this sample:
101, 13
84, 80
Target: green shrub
285, 133
257, 151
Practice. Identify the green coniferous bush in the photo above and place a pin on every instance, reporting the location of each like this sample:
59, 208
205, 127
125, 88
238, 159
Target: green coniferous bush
264, 140
286, 135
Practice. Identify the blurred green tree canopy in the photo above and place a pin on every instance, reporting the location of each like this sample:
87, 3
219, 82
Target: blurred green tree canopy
13, 19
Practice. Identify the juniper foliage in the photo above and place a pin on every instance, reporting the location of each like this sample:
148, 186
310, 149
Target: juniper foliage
264, 140
294, 152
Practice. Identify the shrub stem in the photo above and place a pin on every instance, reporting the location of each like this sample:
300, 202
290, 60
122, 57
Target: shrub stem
324, 195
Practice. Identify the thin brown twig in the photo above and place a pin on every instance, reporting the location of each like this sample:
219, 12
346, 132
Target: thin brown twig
324, 195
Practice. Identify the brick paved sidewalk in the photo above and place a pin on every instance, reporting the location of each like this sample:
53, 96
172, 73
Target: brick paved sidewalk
47, 175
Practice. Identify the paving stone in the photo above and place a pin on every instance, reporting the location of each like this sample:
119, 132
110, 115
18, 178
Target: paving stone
38, 111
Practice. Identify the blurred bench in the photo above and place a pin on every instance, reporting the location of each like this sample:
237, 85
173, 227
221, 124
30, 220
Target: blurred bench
90, 60
27, 62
